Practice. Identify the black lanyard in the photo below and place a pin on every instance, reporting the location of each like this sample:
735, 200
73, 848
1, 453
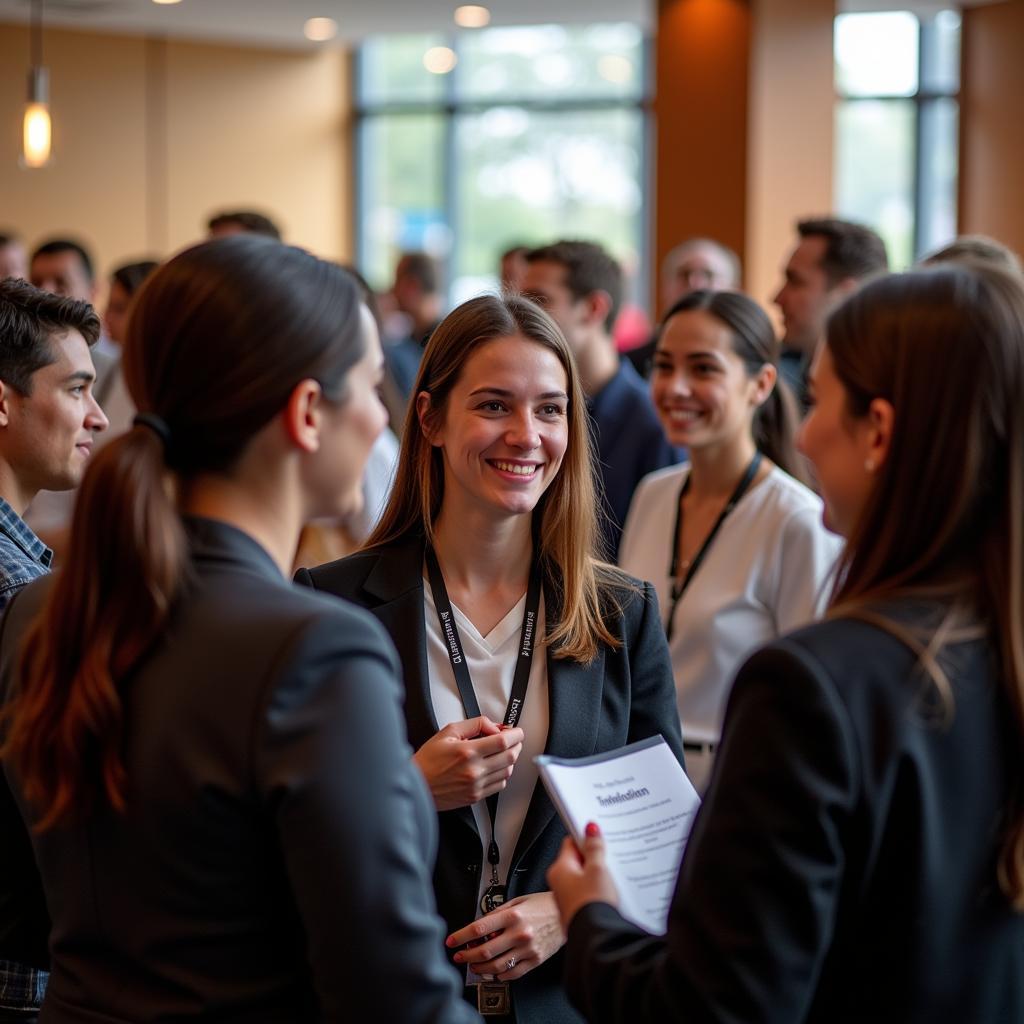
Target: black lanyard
679, 586
496, 893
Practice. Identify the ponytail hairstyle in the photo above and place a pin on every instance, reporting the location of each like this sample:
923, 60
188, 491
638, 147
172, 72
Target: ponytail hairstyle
218, 339
944, 521
565, 519
753, 341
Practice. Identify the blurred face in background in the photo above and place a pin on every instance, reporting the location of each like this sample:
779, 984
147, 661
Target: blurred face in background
13, 261
693, 268
63, 273
115, 316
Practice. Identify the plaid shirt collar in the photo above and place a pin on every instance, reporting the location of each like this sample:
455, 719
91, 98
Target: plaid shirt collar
14, 527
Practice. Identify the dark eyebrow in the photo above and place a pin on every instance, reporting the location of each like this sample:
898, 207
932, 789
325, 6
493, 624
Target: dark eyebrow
703, 355
502, 393
80, 375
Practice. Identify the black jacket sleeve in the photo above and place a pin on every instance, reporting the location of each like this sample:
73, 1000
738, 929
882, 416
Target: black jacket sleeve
357, 831
754, 907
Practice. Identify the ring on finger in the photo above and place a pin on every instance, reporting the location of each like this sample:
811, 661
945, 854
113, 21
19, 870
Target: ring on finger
510, 962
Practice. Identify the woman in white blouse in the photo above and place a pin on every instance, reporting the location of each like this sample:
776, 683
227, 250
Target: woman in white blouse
731, 539
514, 638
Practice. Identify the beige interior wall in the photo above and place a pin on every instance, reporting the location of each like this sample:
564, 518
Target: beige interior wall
150, 137
789, 149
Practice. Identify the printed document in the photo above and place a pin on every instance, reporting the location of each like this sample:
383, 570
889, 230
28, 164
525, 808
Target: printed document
644, 804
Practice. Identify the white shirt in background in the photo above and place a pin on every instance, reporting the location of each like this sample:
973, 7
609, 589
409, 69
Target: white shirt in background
768, 571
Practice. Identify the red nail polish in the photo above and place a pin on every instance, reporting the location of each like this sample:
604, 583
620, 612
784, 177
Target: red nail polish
592, 829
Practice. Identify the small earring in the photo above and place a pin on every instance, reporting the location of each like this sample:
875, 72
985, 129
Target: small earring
869, 465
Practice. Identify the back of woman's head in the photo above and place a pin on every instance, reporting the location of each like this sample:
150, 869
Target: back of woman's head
945, 517
130, 276
753, 341
219, 338
944, 347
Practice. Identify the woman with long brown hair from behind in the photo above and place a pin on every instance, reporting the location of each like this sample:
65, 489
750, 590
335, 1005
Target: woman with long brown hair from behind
211, 762
860, 853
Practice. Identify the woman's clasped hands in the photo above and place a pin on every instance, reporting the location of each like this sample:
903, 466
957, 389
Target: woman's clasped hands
510, 941
468, 761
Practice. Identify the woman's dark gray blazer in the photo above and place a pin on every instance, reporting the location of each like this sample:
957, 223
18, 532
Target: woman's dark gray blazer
842, 869
623, 695
273, 863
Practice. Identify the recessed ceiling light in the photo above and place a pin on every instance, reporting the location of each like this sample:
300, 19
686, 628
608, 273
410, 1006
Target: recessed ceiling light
472, 16
319, 30
439, 60
163, 2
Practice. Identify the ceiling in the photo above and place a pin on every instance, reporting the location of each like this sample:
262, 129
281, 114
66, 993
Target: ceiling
279, 23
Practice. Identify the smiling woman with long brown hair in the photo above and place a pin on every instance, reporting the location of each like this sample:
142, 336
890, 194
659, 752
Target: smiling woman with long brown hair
483, 558
860, 853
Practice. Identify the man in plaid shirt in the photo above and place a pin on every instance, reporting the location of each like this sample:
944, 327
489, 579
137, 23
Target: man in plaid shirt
48, 418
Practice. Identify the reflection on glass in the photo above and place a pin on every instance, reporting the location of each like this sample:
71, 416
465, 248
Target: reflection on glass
876, 54
939, 135
401, 191
874, 171
561, 62
940, 52
527, 177
391, 70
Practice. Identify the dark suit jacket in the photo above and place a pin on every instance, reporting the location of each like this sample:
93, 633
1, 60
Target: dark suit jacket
273, 864
843, 865
624, 695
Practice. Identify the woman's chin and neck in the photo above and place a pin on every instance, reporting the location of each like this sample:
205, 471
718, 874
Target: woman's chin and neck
482, 546
717, 467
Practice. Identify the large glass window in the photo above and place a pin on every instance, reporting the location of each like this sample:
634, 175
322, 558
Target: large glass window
898, 76
518, 136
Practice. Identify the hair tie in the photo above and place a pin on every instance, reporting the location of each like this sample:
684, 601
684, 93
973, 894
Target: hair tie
151, 421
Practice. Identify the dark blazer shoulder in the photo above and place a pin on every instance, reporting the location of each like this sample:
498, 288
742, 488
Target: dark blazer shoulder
382, 572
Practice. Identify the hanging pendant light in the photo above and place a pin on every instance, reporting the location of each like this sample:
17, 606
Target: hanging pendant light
36, 128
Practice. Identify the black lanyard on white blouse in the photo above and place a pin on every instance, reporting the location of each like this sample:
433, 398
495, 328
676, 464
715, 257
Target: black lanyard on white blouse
496, 893
679, 585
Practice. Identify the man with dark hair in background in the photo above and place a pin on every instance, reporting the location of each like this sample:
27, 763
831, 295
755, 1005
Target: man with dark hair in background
48, 418
580, 285
832, 259
64, 267
417, 295
242, 222
13, 259
512, 266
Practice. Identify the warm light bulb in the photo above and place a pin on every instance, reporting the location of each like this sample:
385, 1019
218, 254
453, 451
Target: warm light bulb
472, 16
167, 1
439, 60
319, 30
36, 149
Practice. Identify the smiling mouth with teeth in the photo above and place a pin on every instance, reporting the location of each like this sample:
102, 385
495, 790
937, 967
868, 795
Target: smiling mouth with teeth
515, 467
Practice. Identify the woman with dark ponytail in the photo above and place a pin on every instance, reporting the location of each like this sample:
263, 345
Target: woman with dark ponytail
731, 539
210, 761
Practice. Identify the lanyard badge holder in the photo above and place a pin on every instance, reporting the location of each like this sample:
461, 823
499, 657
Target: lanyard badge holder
493, 998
